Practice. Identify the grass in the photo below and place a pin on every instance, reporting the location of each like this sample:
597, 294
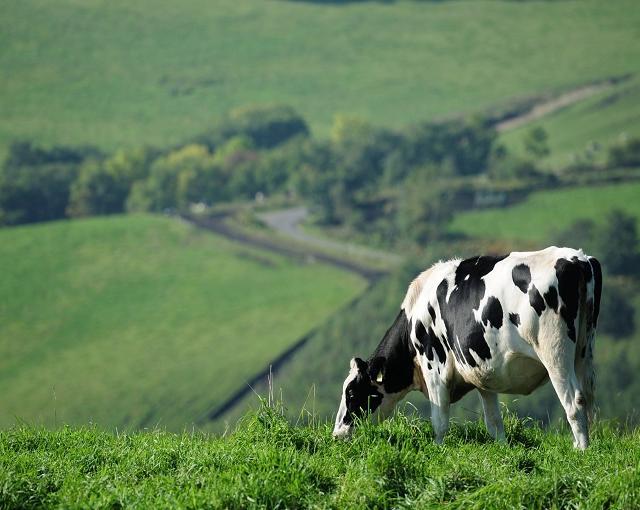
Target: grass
545, 212
142, 320
268, 463
603, 120
155, 71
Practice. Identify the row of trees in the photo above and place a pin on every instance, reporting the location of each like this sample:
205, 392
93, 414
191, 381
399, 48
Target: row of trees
358, 176
240, 155
396, 185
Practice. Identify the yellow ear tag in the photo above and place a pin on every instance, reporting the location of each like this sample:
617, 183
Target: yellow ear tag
379, 378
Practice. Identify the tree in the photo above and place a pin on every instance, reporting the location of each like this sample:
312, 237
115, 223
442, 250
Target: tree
35, 182
617, 315
96, 191
580, 234
618, 244
35, 193
102, 187
625, 154
536, 143
267, 126
425, 207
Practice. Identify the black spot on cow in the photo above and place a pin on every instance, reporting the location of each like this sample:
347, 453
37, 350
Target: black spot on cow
536, 301
394, 356
585, 268
515, 319
430, 342
459, 390
569, 275
492, 313
521, 275
551, 298
361, 395
457, 312
432, 312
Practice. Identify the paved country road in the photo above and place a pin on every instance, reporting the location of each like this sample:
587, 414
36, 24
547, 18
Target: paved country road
287, 222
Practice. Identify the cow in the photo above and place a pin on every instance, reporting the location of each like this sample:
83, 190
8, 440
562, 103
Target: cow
497, 324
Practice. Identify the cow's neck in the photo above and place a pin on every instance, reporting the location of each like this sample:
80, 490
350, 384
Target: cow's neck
395, 356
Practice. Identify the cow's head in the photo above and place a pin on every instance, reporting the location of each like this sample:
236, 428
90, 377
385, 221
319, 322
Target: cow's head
362, 394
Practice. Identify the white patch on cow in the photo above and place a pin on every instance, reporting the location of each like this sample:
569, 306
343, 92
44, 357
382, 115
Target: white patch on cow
341, 429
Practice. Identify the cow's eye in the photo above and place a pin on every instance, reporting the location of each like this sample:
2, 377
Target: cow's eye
350, 394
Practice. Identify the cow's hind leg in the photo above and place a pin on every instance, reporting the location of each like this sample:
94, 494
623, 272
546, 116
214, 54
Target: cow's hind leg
492, 416
565, 383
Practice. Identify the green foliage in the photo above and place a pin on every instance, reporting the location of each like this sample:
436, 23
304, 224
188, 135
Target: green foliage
617, 314
617, 243
425, 206
138, 320
625, 154
102, 186
34, 183
536, 143
268, 463
265, 126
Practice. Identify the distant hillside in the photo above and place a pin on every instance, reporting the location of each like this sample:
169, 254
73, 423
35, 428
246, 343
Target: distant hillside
140, 320
587, 128
123, 73
545, 213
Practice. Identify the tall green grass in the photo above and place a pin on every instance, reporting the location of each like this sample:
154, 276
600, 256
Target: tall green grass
268, 463
135, 321
156, 71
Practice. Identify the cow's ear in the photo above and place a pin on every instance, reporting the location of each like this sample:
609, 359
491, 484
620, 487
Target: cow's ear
359, 365
376, 369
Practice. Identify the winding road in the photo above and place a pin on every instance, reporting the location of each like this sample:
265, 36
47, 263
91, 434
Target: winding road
287, 222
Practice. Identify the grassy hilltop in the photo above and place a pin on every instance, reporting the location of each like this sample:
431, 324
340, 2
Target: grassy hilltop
267, 463
546, 213
120, 73
140, 320
588, 125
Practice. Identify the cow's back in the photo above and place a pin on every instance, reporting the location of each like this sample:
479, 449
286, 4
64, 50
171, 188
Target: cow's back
494, 316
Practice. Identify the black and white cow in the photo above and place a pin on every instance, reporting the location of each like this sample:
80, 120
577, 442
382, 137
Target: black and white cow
497, 324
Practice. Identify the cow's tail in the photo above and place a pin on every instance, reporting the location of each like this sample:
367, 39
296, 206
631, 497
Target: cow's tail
589, 310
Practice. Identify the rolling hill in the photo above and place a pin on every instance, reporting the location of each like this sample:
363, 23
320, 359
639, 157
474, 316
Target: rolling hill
140, 320
589, 125
120, 73
544, 213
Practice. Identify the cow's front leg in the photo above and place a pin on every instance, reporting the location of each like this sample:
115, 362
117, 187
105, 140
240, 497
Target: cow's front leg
440, 403
492, 416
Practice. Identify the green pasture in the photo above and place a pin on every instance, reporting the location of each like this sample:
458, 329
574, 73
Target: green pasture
124, 73
139, 321
268, 463
544, 213
585, 129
